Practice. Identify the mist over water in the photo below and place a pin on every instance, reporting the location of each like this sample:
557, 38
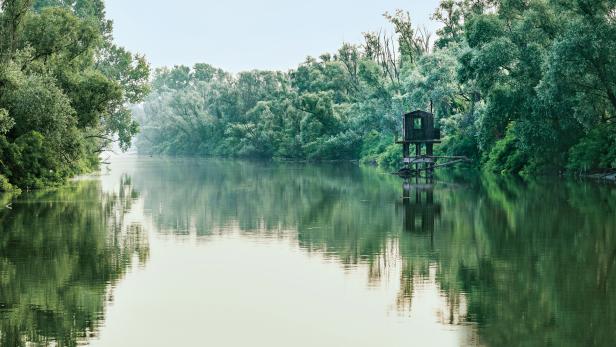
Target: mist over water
159, 252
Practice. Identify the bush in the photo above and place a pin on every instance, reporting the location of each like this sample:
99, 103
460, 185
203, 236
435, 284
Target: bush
5, 186
506, 157
391, 159
31, 162
596, 150
461, 145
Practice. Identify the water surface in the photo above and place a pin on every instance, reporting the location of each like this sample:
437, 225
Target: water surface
174, 252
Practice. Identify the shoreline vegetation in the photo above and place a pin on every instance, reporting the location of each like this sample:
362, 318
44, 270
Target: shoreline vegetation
520, 88
65, 91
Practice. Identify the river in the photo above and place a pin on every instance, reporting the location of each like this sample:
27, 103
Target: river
206, 252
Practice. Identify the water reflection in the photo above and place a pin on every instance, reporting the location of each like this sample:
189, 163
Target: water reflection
61, 252
420, 209
526, 263
467, 260
545, 272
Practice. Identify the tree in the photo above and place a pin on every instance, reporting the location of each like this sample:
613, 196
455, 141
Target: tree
60, 55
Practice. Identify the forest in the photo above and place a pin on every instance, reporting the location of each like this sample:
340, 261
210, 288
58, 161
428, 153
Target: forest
519, 87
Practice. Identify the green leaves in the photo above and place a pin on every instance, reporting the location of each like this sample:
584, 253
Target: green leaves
506, 157
6, 122
58, 35
36, 164
130, 71
543, 66
64, 89
37, 104
596, 151
93, 96
483, 29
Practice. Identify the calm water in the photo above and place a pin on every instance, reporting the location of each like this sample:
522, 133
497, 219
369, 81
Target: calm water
178, 252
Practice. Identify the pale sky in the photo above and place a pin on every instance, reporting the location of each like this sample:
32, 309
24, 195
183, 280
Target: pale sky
239, 35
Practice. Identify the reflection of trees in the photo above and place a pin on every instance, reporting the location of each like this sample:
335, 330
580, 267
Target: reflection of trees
546, 278
531, 263
332, 209
60, 251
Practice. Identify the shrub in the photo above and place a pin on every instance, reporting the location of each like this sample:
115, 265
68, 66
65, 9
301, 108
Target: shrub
596, 150
506, 157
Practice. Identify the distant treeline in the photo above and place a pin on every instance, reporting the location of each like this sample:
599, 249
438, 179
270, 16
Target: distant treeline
518, 86
64, 90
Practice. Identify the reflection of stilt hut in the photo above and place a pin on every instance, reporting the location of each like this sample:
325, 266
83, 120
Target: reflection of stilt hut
420, 210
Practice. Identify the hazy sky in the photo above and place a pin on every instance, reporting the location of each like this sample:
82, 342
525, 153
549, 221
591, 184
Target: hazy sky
239, 35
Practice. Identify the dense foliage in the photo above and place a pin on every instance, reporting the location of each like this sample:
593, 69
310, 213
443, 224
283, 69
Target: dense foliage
518, 86
64, 87
339, 106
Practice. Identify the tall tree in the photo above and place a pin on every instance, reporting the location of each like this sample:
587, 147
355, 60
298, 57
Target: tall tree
60, 55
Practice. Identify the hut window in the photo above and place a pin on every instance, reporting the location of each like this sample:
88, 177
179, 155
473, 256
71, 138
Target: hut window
417, 123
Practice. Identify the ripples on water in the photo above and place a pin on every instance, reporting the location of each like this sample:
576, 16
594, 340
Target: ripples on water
210, 252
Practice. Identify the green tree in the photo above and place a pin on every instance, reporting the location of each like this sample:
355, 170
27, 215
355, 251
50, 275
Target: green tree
64, 89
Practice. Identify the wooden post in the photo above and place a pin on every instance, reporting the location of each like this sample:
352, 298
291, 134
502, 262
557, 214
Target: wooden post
406, 152
430, 152
417, 154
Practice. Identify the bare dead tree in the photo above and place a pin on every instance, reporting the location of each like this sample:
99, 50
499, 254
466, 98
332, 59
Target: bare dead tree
383, 49
413, 43
391, 51
422, 41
